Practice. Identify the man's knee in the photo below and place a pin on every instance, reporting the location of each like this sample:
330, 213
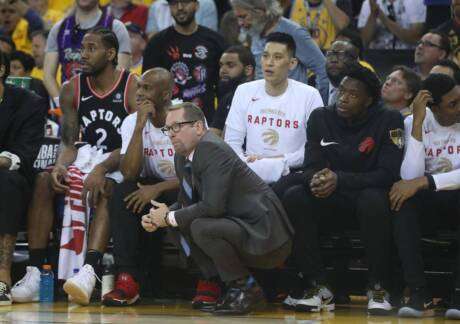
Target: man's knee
372, 199
42, 186
201, 228
121, 190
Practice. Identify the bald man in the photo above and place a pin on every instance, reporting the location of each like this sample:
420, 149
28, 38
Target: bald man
147, 164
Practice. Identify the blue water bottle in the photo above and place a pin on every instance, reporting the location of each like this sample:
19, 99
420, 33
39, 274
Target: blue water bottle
47, 284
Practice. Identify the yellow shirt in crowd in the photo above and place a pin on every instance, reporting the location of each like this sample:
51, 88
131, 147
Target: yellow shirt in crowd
142, 2
20, 37
317, 21
51, 17
60, 5
38, 74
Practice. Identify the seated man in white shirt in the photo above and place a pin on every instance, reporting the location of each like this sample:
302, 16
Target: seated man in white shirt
147, 165
272, 114
429, 192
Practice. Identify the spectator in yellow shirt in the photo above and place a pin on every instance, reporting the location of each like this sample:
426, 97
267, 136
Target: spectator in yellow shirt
138, 44
63, 6
49, 16
322, 18
18, 21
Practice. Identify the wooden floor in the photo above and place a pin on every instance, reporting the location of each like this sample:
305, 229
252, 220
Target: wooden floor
169, 311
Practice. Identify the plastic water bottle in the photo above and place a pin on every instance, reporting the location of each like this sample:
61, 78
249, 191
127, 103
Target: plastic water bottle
108, 280
47, 284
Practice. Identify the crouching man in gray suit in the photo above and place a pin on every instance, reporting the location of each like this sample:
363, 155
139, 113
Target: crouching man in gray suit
229, 217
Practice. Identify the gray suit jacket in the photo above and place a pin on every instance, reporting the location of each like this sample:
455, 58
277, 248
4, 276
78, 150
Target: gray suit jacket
227, 187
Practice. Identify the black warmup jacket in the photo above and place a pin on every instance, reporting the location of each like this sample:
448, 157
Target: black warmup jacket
365, 154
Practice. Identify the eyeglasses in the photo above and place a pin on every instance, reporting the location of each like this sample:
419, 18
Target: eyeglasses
176, 127
340, 54
183, 2
428, 44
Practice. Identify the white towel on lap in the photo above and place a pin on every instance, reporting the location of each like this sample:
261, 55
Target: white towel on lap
76, 217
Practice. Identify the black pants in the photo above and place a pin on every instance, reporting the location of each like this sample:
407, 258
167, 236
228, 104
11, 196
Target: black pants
281, 186
15, 194
366, 209
126, 229
425, 212
216, 247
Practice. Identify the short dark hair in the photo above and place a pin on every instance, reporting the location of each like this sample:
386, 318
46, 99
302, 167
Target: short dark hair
244, 54
108, 38
41, 32
285, 39
354, 38
438, 85
452, 65
191, 112
367, 77
413, 80
26, 60
445, 42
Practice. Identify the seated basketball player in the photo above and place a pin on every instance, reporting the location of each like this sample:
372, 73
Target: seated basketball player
429, 194
352, 157
22, 120
147, 165
96, 102
271, 116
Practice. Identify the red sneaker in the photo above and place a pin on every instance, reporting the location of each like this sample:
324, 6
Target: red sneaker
207, 294
125, 293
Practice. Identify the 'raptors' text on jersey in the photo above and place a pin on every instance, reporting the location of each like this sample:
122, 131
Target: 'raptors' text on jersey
100, 116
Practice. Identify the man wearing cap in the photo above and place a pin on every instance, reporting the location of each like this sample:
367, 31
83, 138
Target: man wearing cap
138, 43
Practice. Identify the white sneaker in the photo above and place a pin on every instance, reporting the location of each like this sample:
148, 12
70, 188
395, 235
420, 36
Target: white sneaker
80, 287
27, 289
315, 300
290, 302
378, 302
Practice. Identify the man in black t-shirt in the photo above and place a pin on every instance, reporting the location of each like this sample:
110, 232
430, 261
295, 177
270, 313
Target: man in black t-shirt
191, 52
237, 66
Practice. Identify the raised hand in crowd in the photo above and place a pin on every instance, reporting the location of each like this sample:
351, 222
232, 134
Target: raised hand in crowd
419, 105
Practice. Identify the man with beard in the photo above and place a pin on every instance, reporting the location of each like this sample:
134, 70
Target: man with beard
432, 48
259, 18
64, 43
340, 55
147, 165
236, 67
95, 103
191, 52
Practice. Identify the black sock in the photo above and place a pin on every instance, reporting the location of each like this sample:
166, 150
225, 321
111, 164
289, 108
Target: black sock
94, 259
37, 257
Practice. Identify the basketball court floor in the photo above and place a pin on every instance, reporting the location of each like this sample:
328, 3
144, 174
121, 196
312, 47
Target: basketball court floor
172, 312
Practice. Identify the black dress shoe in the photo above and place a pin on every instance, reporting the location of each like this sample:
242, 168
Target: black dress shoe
240, 301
